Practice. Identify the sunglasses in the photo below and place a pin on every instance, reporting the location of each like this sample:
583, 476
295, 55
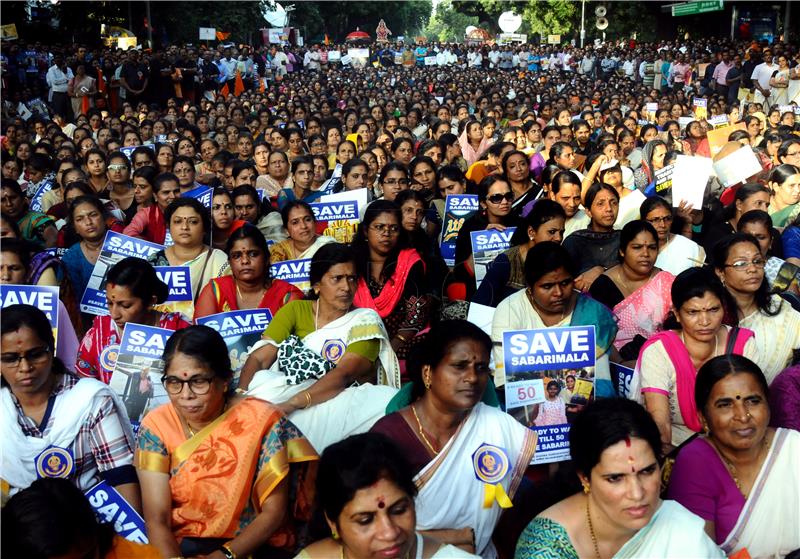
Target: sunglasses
498, 198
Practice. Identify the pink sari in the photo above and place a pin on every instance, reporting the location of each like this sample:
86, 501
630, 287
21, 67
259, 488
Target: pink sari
643, 311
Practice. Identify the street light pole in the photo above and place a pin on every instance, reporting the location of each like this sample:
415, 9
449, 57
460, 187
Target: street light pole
583, 14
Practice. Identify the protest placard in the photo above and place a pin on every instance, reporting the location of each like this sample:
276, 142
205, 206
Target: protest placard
111, 508
342, 213
719, 136
700, 108
663, 180
240, 330
486, 245
689, 180
116, 247
737, 166
650, 110
137, 373
43, 297
42, 188
621, 377
457, 208
296, 272
181, 296
549, 378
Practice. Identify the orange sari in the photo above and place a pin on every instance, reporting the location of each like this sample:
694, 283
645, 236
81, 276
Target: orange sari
220, 477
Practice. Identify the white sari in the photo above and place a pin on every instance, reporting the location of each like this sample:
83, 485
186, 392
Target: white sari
450, 477
355, 409
769, 524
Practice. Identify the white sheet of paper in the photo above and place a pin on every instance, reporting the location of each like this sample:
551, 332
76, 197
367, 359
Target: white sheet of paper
481, 316
737, 166
689, 179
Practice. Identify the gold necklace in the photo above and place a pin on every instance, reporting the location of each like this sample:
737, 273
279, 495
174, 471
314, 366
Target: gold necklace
591, 530
535, 306
421, 432
241, 297
732, 469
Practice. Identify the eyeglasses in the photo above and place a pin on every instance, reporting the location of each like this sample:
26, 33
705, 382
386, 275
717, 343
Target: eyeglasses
33, 356
666, 219
393, 182
498, 198
383, 229
121, 167
198, 385
741, 265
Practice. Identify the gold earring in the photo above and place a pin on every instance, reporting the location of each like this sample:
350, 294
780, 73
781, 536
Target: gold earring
586, 488
334, 533
427, 383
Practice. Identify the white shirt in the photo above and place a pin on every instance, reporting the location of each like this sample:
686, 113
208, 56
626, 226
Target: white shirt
762, 74
57, 80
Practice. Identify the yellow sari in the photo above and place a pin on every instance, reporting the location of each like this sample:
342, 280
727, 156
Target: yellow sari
220, 477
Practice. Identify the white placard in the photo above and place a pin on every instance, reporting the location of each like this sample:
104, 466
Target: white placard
481, 316
208, 33
737, 166
689, 179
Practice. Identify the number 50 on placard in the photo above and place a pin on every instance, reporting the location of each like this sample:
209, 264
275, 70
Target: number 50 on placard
524, 393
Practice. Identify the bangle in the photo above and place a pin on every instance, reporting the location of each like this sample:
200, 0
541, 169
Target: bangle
240, 390
227, 551
401, 338
307, 394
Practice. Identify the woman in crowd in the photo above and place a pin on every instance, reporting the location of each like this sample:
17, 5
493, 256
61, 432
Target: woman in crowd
393, 179
165, 155
217, 471
739, 264
616, 452
550, 135
595, 248
55, 425
249, 286
550, 300
422, 173
35, 227
516, 171
676, 253
472, 141
635, 290
365, 489
189, 224
149, 223
758, 223
314, 350
749, 491
132, 289
303, 241
565, 189
249, 207
441, 423
302, 182
749, 196
652, 160
506, 275
668, 362
94, 163
222, 218
143, 187
784, 206
391, 276
278, 176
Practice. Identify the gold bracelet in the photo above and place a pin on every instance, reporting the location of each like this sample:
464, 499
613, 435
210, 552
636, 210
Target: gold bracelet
308, 398
401, 338
227, 551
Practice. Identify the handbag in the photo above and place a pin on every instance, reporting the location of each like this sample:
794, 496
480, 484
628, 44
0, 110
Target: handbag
298, 363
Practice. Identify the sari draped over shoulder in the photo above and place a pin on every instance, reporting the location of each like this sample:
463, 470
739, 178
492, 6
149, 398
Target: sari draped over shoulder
220, 477
451, 477
643, 311
279, 293
385, 303
284, 250
768, 525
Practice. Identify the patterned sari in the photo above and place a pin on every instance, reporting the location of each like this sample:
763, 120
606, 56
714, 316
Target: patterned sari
220, 477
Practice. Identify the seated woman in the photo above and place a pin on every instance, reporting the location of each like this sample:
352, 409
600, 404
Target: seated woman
303, 241
149, 222
749, 196
505, 276
550, 300
250, 208
594, 249
223, 221
393, 180
217, 471
635, 290
314, 350
516, 171
302, 182
132, 288
249, 286
616, 451
676, 253
739, 264
442, 424
749, 491
565, 189
52, 517
366, 491
391, 277
784, 206
669, 360
35, 227
189, 224
412, 209
54, 424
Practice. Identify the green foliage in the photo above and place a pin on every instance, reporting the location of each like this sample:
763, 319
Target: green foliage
446, 24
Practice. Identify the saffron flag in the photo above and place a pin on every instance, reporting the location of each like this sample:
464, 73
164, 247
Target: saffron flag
221, 36
238, 84
224, 91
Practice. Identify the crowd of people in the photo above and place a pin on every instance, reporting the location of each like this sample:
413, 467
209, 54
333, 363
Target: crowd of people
370, 418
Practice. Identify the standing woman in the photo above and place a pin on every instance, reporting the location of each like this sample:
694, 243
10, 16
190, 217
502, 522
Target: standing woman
676, 253
303, 241
81, 91
132, 288
249, 286
784, 206
149, 223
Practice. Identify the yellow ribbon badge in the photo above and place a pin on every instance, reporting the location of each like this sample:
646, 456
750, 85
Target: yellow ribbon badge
491, 466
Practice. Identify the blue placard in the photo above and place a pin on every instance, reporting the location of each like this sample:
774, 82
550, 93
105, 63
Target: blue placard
128, 151
144, 341
491, 239
111, 508
240, 330
45, 186
335, 211
178, 280
44, 298
125, 246
621, 377
296, 272
546, 349
457, 209
202, 193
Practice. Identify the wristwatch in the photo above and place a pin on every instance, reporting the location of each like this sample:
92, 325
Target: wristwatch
227, 551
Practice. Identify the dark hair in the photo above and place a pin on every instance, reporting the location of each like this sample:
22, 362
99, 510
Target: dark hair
20, 247
302, 160
360, 243
15, 317
291, 205
250, 231
629, 232
248, 190
393, 165
606, 422
543, 211
716, 369
358, 462
594, 190
720, 253
547, 257
196, 205
121, 156
147, 173
161, 178
755, 216
487, 183
348, 167
326, 257
13, 185
781, 173
203, 344
696, 282
652, 203
92, 200
51, 518
140, 277
562, 178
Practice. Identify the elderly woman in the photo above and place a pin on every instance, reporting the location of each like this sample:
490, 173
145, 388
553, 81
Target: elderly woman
54, 424
216, 470
303, 241
278, 176
615, 449
784, 206
441, 423
132, 288
635, 290
551, 300
668, 362
314, 350
366, 491
749, 491
249, 286
739, 263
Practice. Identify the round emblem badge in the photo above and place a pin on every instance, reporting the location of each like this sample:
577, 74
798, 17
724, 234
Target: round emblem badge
490, 463
333, 350
108, 357
54, 462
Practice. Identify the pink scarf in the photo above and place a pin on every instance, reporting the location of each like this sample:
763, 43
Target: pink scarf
386, 302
